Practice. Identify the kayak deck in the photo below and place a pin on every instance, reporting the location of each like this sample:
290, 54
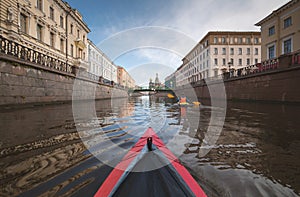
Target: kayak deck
143, 172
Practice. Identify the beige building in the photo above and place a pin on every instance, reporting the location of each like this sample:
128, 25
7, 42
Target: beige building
51, 27
217, 52
280, 31
124, 78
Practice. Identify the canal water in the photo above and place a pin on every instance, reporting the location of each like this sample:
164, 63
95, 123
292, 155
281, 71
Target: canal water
255, 151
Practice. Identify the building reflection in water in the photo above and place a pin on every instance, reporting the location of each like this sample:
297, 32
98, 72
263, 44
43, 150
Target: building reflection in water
257, 152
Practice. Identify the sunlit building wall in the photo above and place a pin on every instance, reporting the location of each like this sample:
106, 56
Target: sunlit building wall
280, 31
218, 52
51, 27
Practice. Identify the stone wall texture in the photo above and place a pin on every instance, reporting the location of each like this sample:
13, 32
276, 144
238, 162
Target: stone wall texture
280, 85
22, 84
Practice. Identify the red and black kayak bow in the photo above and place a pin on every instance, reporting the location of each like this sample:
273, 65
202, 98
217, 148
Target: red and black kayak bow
168, 177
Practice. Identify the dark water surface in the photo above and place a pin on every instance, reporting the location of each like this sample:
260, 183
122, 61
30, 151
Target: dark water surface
43, 152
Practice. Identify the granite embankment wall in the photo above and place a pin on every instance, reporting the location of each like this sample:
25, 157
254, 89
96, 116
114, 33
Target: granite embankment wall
278, 84
21, 83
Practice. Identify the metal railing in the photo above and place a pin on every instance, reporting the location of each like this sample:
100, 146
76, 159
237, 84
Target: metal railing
296, 58
14, 50
288, 60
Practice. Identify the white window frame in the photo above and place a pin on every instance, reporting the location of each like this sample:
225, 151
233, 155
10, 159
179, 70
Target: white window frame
41, 32
268, 53
42, 5
282, 44
26, 27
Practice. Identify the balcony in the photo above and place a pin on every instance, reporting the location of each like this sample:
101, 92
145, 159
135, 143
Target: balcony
80, 63
79, 43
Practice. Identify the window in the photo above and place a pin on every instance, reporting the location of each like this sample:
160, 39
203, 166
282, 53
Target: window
39, 5
23, 23
51, 13
231, 51
216, 73
62, 45
231, 61
207, 53
51, 39
78, 33
83, 38
71, 28
271, 52
248, 61
248, 51
271, 30
224, 51
72, 50
215, 40
216, 61
39, 32
240, 40
287, 22
224, 61
240, 62
256, 60
223, 39
240, 51
256, 51
256, 40
79, 53
216, 51
61, 19
287, 46
248, 40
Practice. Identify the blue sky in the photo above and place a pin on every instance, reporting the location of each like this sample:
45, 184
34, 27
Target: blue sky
140, 26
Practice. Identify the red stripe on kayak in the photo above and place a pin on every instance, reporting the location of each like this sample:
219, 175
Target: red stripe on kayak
187, 177
118, 171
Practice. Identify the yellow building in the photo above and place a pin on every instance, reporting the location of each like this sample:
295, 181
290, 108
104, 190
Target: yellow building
124, 78
50, 27
280, 31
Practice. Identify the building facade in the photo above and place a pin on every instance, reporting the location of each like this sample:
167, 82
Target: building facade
100, 64
95, 59
110, 70
217, 52
51, 27
124, 78
280, 31
170, 81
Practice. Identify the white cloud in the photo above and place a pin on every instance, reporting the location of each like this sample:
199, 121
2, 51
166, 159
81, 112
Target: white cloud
196, 17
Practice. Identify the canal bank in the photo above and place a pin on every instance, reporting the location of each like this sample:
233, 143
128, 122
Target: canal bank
272, 81
22, 82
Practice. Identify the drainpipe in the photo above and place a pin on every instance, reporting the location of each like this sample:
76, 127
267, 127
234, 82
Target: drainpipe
67, 37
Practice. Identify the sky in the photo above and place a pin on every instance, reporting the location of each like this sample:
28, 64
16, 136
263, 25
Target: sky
152, 36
